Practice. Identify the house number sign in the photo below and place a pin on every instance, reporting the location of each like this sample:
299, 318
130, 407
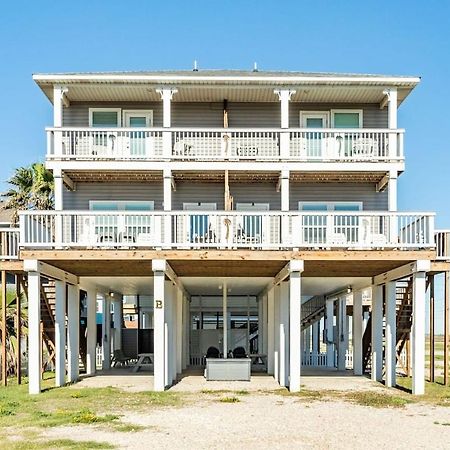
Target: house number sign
158, 304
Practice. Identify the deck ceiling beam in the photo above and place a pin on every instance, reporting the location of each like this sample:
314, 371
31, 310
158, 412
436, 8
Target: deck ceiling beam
33, 265
402, 272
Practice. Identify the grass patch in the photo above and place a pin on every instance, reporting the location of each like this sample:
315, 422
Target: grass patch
435, 393
68, 405
376, 399
128, 428
56, 444
223, 391
229, 400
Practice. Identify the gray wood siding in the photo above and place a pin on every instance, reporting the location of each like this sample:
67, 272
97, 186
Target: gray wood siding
240, 115
79, 199
339, 192
188, 192
257, 193
198, 193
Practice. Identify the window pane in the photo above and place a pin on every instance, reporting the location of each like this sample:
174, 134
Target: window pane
347, 207
104, 206
314, 122
104, 119
140, 206
138, 122
314, 207
346, 120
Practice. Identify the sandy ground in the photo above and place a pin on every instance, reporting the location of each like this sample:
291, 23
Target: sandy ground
273, 421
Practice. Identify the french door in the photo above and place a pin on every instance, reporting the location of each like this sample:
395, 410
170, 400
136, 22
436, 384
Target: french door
139, 143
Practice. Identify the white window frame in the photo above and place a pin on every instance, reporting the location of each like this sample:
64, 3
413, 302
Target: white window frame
121, 204
146, 112
118, 111
304, 114
199, 206
330, 205
350, 111
252, 206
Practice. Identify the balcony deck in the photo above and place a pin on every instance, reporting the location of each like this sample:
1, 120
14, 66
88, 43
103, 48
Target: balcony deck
220, 144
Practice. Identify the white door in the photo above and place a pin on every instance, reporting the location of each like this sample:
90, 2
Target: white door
139, 143
315, 141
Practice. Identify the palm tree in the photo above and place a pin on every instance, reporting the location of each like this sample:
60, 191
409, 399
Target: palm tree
31, 188
11, 329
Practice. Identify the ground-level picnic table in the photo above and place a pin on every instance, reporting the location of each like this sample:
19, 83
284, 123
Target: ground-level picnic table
144, 360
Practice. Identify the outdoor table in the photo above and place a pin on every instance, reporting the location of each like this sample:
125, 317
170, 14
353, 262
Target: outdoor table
141, 362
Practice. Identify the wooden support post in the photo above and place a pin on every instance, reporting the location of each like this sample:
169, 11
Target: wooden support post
4, 362
19, 329
446, 326
431, 279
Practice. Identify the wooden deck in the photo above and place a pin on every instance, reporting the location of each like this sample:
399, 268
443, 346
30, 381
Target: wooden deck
226, 263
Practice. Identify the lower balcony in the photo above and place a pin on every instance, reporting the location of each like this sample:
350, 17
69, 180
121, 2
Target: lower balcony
273, 230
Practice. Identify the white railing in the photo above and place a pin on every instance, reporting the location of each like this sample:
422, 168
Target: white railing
9, 243
442, 244
220, 229
314, 359
104, 143
346, 144
193, 144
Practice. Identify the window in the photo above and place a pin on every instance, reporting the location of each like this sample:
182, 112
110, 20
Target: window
346, 118
104, 117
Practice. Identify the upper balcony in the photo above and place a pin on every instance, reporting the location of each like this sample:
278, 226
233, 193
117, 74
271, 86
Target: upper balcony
214, 144
224, 117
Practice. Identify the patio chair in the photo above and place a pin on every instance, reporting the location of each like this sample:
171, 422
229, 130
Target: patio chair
212, 352
239, 352
120, 358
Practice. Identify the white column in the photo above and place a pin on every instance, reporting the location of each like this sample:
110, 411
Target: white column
391, 334
329, 331
270, 331
316, 342
60, 333
392, 108
284, 333
58, 102
225, 319
91, 331
276, 353
284, 96
166, 96
168, 330
179, 306
392, 120
264, 315
357, 336
418, 334
73, 331
342, 331
259, 304
167, 205
392, 191
295, 307
377, 333
173, 334
158, 267
34, 332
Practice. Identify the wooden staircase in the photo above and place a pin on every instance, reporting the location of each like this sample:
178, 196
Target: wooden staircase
403, 322
312, 311
48, 300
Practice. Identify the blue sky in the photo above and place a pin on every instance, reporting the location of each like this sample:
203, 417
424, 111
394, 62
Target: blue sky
390, 37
